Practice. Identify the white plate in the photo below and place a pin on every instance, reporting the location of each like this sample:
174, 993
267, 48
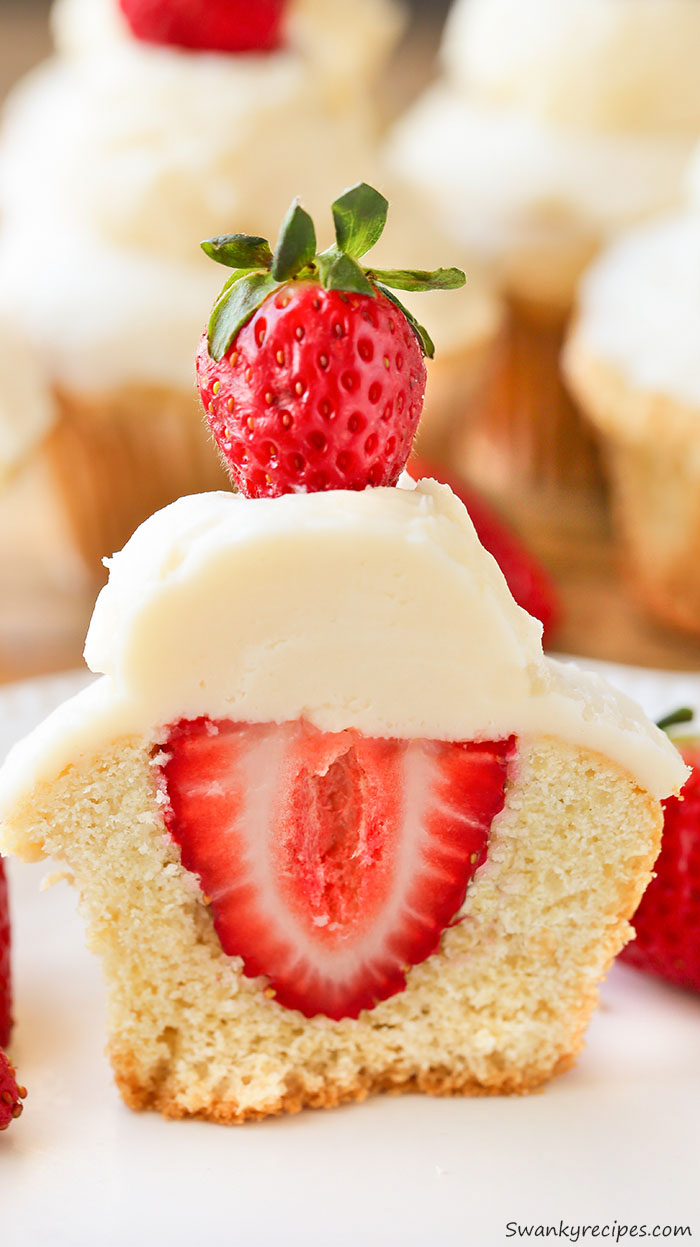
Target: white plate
614, 1142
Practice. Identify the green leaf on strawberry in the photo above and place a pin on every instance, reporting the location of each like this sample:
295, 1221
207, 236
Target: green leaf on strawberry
239, 251
418, 279
427, 344
683, 715
296, 247
338, 271
359, 216
243, 295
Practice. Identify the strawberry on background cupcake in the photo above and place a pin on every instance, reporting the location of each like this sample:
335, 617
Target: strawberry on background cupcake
337, 823
555, 124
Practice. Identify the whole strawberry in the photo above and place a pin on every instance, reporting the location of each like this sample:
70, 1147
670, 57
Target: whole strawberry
5, 986
667, 922
207, 25
311, 373
11, 1094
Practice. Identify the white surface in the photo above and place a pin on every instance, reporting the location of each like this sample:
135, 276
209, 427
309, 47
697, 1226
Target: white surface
615, 1140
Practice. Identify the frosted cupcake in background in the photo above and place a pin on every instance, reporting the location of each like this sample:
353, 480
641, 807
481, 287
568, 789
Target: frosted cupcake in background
116, 156
633, 362
555, 124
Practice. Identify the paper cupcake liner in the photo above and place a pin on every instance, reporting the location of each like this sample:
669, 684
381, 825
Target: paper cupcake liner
651, 449
454, 381
120, 456
528, 437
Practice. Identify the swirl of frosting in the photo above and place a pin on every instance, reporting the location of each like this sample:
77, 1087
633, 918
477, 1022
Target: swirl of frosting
603, 65
346, 42
157, 150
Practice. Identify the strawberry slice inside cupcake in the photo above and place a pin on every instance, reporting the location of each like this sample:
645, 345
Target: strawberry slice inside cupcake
332, 861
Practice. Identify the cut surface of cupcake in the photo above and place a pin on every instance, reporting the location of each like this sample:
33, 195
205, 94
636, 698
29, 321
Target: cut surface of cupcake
337, 824
632, 362
553, 127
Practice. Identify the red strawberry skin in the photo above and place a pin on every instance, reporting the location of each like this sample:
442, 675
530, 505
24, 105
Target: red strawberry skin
320, 390
207, 25
11, 1094
5, 983
668, 919
332, 862
527, 579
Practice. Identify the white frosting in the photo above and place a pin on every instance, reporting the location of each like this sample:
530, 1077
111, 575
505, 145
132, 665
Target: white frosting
557, 123
27, 410
377, 610
640, 308
121, 292
345, 41
153, 149
537, 199
105, 317
141, 152
615, 65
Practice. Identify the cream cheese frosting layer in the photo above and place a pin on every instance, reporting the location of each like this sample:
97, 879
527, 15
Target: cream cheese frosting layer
377, 610
639, 309
615, 65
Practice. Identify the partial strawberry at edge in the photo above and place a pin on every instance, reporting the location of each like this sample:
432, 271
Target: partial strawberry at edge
5, 980
207, 25
11, 1093
332, 862
667, 922
527, 579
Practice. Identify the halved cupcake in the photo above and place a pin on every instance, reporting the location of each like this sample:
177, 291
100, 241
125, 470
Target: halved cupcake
336, 823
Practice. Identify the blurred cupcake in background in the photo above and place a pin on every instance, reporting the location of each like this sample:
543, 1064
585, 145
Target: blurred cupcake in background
117, 156
633, 363
554, 125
